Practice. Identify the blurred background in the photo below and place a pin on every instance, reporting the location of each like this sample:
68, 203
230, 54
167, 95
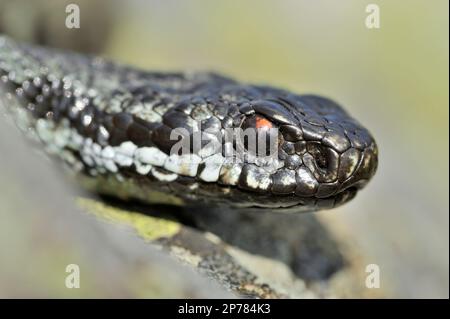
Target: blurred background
393, 79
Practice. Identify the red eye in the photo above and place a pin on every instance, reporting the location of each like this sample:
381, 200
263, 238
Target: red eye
258, 122
262, 122
262, 143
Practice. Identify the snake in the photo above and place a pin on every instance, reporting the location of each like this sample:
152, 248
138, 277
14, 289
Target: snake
113, 125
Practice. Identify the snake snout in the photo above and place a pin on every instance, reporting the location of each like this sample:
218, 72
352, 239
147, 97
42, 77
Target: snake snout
329, 157
357, 167
326, 172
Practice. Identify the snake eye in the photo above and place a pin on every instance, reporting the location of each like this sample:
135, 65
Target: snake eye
257, 122
257, 135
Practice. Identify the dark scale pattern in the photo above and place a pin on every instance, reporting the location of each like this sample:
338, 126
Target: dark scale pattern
324, 155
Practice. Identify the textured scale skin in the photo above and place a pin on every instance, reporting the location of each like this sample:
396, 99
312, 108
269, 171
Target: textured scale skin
103, 119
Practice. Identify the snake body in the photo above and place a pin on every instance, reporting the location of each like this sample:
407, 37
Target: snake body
112, 125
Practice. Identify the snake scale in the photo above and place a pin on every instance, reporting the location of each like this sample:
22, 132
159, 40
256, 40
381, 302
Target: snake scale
112, 124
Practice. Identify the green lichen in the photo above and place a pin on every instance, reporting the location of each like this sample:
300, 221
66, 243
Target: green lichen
148, 227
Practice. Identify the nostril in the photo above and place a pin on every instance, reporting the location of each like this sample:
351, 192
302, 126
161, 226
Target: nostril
322, 161
319, 154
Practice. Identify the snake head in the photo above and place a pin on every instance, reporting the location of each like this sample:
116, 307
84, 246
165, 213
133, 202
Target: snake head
323, 155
